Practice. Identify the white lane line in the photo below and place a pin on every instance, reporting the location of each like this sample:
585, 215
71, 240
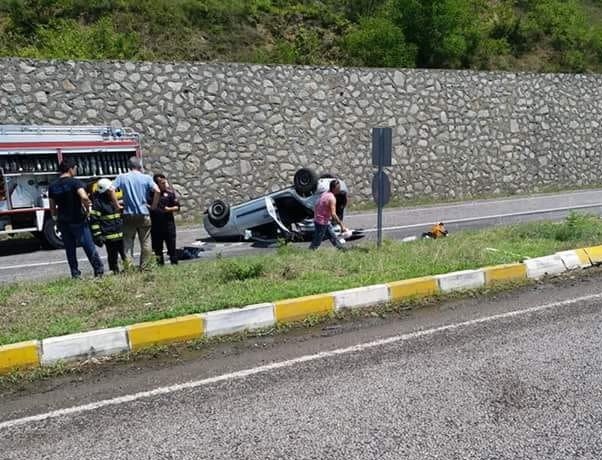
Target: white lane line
476, 203
83, 259
493, 216
424, 225
54, 262
189, 230
288, 363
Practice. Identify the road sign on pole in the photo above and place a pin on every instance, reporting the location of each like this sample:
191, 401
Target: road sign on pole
381, 188
382, 146
381, 185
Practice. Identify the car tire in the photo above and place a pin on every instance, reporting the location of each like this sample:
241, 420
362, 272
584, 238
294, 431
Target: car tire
218, 213
51, 237
305, 181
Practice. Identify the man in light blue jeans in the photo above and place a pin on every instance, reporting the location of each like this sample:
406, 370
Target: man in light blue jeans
137, 187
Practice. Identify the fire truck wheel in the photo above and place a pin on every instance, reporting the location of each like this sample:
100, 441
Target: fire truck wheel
51, 235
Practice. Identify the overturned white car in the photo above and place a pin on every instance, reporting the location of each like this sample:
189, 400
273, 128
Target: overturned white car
286, 214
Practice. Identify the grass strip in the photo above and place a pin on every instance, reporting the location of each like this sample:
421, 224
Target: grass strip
32, 310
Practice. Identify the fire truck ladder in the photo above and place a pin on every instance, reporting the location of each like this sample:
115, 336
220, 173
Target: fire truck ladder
58, 130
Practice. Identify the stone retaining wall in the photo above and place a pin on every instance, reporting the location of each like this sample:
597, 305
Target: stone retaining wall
236, 130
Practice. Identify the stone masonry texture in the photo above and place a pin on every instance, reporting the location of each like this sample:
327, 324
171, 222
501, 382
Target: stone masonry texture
235, 131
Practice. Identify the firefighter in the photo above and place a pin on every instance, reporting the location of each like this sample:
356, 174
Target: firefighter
106, 222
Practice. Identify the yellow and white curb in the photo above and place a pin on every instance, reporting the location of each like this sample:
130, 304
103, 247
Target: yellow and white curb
136, 337
362, 297
103, 342
19, 355
461, 281
233, 320
303, 307
505, 273
144, 335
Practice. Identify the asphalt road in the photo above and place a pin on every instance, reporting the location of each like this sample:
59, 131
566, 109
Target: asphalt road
514, 376
24, 259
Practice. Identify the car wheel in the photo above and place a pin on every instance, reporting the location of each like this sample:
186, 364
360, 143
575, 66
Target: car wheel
51, 236
305, 181
219, 213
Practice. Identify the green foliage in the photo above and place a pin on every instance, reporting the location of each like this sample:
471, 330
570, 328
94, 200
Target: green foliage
240, 270
357, 9
67, 39
578, 227
41, 309
564, 27
444, 31
551, 35
562, 22
377, 42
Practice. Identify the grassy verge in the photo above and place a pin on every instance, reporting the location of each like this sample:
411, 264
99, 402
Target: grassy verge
37, 310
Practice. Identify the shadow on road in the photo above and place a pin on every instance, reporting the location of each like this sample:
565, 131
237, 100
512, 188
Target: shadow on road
13, 247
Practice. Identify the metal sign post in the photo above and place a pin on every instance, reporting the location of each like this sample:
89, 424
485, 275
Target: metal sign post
381, 185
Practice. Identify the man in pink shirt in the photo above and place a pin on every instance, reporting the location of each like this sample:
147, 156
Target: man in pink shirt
324, 214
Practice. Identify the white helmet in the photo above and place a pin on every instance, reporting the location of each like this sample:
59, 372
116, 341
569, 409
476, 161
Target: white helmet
103, 185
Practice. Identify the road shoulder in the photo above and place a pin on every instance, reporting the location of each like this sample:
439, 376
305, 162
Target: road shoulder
178, 364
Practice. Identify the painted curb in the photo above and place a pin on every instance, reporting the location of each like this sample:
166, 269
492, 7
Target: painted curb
416, 287
102, 342
19, 356
180, 329
583, 258
223, 322
460, 281
505, 273
302, 307
570, 259
595, 254
361, 297
542, 266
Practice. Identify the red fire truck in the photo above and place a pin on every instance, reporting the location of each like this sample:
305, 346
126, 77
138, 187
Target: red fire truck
29, 159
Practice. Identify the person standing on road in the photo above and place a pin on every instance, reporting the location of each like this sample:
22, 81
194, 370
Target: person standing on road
324, 213
106, 223
163, 222
136, 187
69, 206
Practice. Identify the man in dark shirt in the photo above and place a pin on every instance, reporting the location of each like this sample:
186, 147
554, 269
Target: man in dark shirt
163, 226
69, 206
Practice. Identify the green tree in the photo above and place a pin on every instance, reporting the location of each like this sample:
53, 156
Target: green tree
446, 32
377, 42
562, 22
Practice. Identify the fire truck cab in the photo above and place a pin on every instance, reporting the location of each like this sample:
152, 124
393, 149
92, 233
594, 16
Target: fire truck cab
29, 159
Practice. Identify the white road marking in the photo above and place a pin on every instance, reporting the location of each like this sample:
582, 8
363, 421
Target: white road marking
476, 203
54, 262
286, 364
425, 225
83, 259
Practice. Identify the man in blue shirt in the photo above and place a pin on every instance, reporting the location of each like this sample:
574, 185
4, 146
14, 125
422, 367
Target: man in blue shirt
136, 188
